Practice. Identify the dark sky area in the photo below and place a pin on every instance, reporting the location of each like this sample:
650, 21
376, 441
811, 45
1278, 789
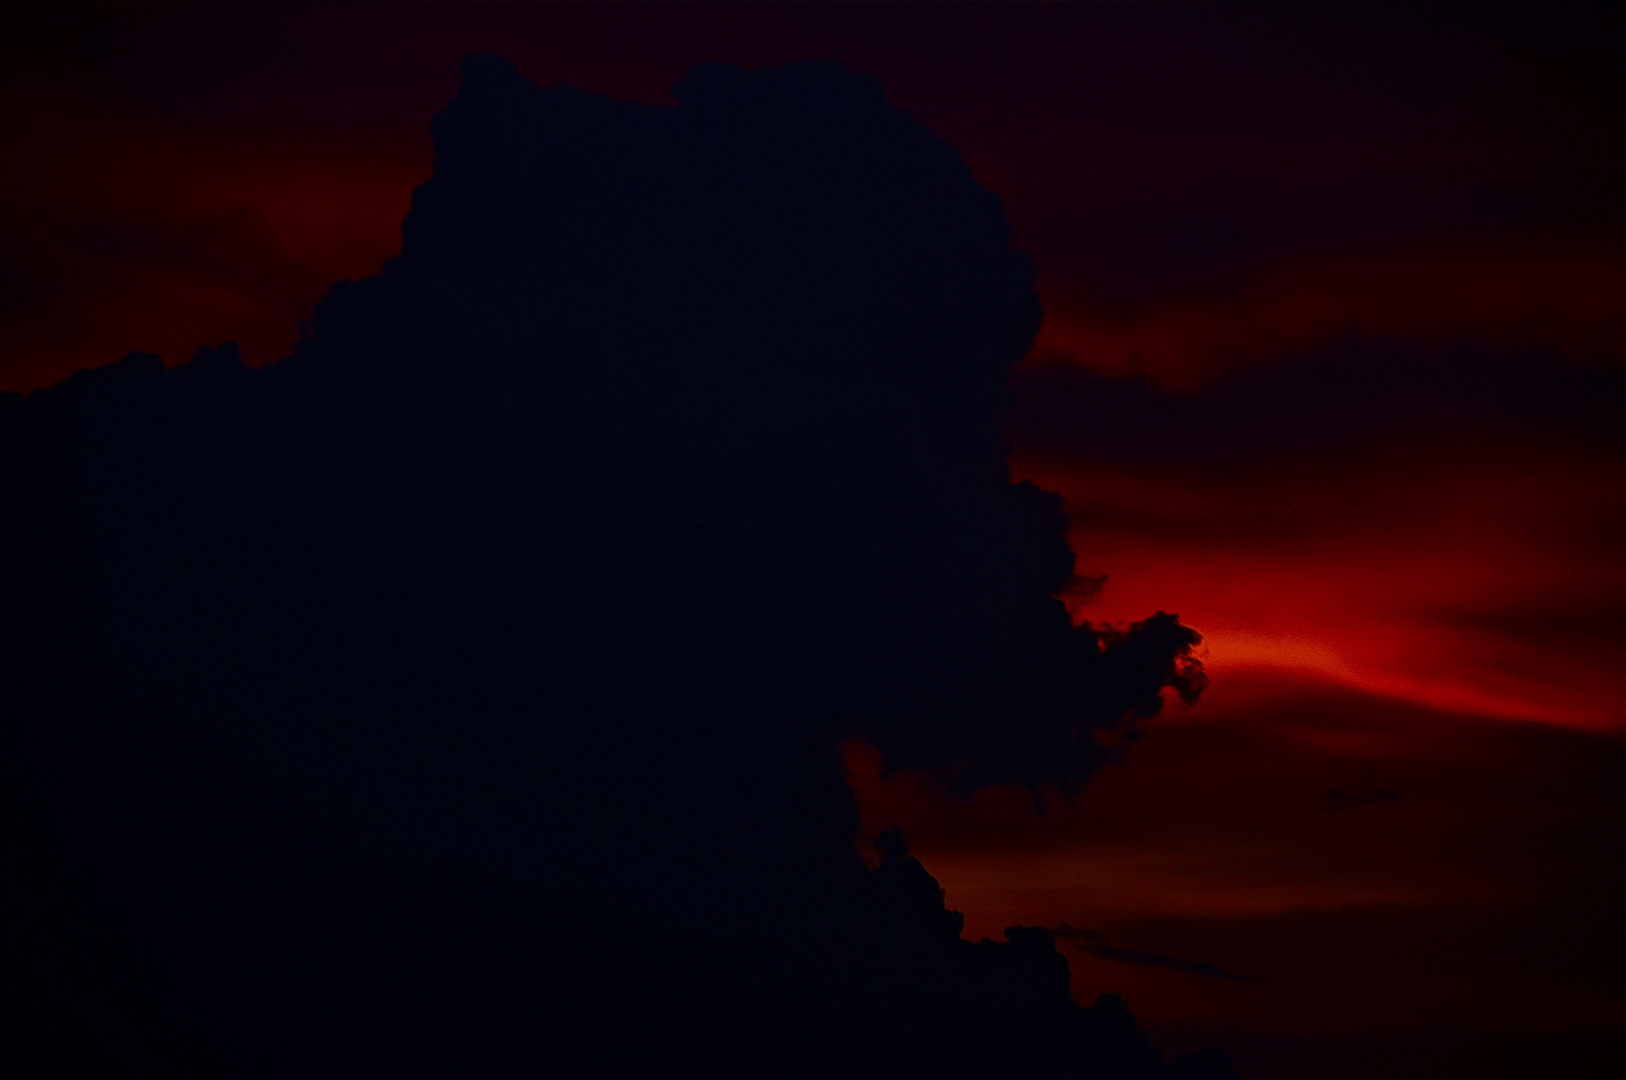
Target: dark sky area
1331, 365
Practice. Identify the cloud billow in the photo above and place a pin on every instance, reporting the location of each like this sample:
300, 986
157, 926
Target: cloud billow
397, 688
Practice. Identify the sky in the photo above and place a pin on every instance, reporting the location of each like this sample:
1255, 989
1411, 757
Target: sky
1331, 366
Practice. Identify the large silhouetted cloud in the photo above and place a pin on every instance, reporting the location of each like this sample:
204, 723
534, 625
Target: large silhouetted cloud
385, 688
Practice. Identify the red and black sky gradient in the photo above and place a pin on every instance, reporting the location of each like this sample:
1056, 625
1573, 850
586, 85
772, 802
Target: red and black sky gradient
1331, 366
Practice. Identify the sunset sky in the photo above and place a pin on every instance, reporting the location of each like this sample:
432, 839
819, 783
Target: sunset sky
1331, 366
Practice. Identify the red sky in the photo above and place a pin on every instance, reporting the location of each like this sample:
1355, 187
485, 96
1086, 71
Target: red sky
1331, 366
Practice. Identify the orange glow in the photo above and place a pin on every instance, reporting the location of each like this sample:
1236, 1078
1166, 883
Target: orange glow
1481, 584
1416, 661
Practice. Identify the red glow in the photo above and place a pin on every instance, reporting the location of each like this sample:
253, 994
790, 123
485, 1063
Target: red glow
1431, 874
1441, 621
1465, 583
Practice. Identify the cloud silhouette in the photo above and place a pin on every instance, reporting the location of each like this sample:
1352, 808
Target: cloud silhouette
383, 688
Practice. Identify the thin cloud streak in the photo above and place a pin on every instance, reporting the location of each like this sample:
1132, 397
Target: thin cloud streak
1152, 959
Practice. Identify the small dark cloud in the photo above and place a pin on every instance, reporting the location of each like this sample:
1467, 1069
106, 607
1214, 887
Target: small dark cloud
1342, 800
1152, 959
1350, 394
1591, 626
1094, 943
1073, 933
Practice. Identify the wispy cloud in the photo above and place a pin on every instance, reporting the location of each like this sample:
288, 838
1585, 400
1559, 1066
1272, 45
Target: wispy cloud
1094, 943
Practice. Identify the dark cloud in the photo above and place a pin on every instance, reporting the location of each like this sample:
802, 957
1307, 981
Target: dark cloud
1352, 395
1069, 933
382, 688
1094, 943
1342, 800
1592, 625
1152, 959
